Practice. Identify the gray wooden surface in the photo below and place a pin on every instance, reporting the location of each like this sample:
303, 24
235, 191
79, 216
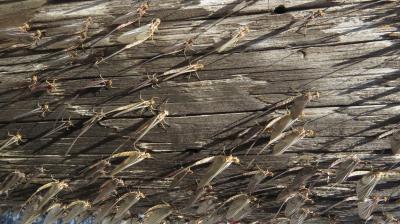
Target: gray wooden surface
349, 55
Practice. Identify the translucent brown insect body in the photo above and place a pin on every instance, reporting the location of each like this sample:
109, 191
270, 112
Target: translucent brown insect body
46, 87
170, 74
104, 210
14, 139
145, 128
74, 209
40, 110
89, 172
290, 139
257, 179
206, 205
240, 206
367, 207
234, 40
132, 17
295, 203
53, 188
98, 116
11, 181
54, 212
65, 125
125, 202
277, 126
141, 105
32, 210
135, 37
132, 158
347, 165
300, 102
220, 163
107, 189
367, 183
157, 214
395, 142
300, 216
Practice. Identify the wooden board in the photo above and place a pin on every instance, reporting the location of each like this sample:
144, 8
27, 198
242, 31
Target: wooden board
346, 50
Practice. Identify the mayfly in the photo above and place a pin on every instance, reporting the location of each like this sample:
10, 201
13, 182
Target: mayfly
65, 125
347, 165
46, 87
295, 203
220, 163
146, 127
367, 183
395, 142
178, 177
135, 37
42, 110
14, 139
175, 49
277, 105
300, 102
75, 209
98, 116
157, 214
104, 210
257, 179
32, 210
297, 184
35, 173
206, 205
100, 165
367, 207
300, 216
132, 17
276, 127
54, 213
98, 84
170, 74
125, 202
141, 105
53, 188
353, 198
108, 188
181, 173
240, 205
11, 181
199, 193
132, 158
290, 139
234, 39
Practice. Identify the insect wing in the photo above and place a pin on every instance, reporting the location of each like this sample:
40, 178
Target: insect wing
54, 213
294, 204
345, 169
255, 181
299, 103
365, 208
179, 177
157, 214
299, 217
104, 211
395, 142
219, 165
138, 35
366, 185
238, 205
134, 158
130, 199
286, 142
76, 209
